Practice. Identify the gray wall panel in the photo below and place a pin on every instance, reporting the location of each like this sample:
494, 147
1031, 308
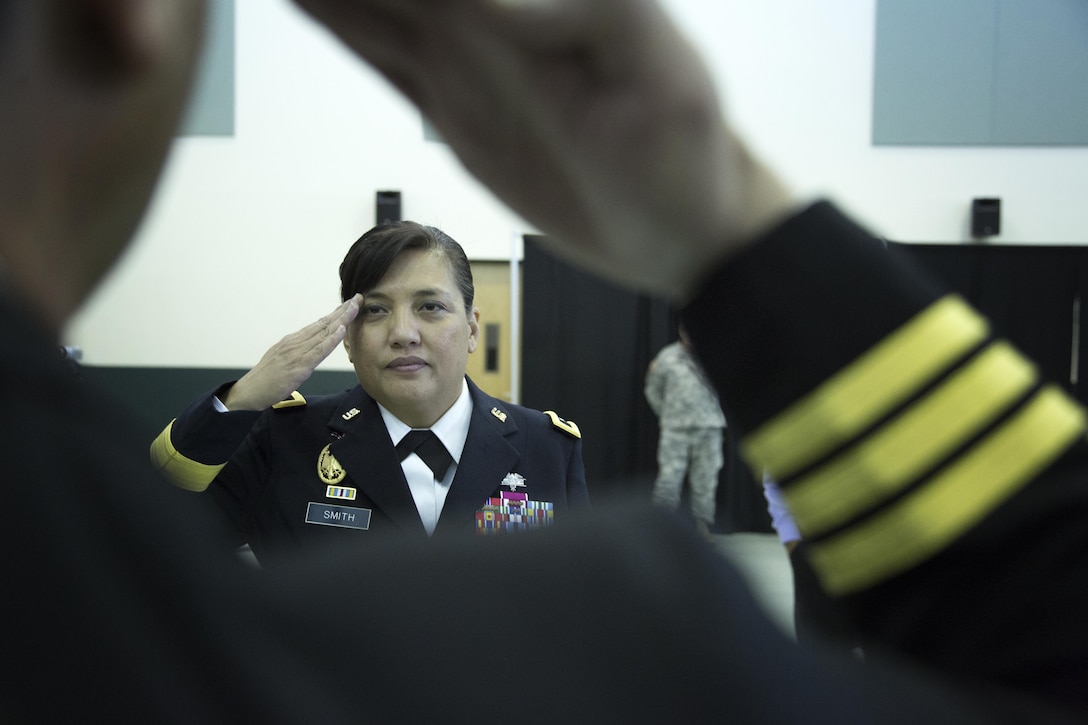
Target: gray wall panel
927, 73
1041, 82
981, 72
211, 109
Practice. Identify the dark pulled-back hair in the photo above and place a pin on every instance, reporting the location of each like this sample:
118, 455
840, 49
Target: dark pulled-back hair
373, 253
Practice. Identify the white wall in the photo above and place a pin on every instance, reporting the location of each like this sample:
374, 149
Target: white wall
242, 243
797, 80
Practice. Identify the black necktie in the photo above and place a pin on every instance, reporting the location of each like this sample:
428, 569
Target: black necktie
426, 445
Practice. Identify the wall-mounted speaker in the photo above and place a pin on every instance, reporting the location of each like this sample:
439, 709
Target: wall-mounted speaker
387, 207
985, 217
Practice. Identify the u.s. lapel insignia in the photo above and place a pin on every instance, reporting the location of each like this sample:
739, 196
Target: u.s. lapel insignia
499, 414
350, 414
328, 468
514, 480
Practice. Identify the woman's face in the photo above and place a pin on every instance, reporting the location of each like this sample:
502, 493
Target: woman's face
411, 341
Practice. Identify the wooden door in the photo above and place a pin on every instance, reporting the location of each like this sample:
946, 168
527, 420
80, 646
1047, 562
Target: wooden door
490, 366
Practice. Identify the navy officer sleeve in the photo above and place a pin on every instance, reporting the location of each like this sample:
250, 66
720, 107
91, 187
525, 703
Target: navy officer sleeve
938, 480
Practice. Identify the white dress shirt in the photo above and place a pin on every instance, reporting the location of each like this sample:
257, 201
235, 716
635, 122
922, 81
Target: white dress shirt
452, 429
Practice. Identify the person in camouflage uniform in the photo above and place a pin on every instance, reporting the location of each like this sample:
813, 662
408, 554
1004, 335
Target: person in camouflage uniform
691, 423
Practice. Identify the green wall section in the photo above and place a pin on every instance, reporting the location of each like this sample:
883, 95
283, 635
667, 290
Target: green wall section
155, 396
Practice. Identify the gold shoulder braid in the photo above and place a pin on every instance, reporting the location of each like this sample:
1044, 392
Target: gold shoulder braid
567, 426
294, 401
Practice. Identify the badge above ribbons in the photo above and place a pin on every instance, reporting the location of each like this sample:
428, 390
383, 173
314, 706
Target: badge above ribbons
514, 480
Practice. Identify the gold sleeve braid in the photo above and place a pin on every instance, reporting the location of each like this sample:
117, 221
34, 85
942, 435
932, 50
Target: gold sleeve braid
851, 455
183, 472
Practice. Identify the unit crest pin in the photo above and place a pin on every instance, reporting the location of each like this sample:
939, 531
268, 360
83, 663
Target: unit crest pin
328, 468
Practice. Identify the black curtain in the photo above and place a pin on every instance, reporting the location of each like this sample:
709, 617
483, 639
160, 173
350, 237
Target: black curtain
586, 345
1030, 293
741, 505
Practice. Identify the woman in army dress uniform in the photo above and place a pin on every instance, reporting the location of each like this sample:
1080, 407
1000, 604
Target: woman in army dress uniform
290, 472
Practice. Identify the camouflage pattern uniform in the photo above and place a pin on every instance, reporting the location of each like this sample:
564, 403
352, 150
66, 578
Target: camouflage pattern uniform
691, 423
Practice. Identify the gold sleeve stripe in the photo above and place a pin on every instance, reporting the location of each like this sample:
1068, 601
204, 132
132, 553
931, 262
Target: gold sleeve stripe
867, 389
896, 454
183, 472
928, 519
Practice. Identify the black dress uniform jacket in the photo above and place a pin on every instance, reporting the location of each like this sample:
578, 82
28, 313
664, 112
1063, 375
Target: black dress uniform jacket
289, 463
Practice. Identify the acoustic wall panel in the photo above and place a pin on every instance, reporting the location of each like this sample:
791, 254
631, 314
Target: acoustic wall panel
981, 72
211, 107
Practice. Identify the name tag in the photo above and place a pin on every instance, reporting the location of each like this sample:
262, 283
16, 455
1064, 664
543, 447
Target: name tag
346, 517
